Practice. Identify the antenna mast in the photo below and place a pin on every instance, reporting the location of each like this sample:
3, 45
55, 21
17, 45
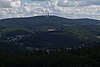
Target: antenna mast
48, 9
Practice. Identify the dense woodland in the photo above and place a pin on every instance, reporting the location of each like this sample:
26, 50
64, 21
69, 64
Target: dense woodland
67, 57
35, 32
49, 42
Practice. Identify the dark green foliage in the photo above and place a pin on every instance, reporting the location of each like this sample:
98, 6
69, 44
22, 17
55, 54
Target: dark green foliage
72, 57
34, 32
20, 38
68, 36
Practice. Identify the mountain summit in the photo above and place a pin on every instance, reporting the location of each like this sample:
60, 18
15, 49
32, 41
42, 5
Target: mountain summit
48, 31
50, 19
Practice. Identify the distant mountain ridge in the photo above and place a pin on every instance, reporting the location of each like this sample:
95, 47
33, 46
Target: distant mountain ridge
50, 19
48, 31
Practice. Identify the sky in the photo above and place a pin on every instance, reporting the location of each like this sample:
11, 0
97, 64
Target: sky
64, 8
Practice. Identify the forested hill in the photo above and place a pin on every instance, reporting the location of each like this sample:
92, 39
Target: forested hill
49, 41
48, 31
49, 19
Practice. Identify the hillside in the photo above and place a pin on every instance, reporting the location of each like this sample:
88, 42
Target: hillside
49, 19
47, 32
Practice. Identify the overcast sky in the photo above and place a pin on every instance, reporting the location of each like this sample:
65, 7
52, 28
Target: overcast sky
64, 8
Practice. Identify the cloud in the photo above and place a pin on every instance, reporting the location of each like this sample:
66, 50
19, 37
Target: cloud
74, 3
64, 8
10, 3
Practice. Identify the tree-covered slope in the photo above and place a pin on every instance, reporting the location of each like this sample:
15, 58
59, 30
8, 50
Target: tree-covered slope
49, 19
49, 32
